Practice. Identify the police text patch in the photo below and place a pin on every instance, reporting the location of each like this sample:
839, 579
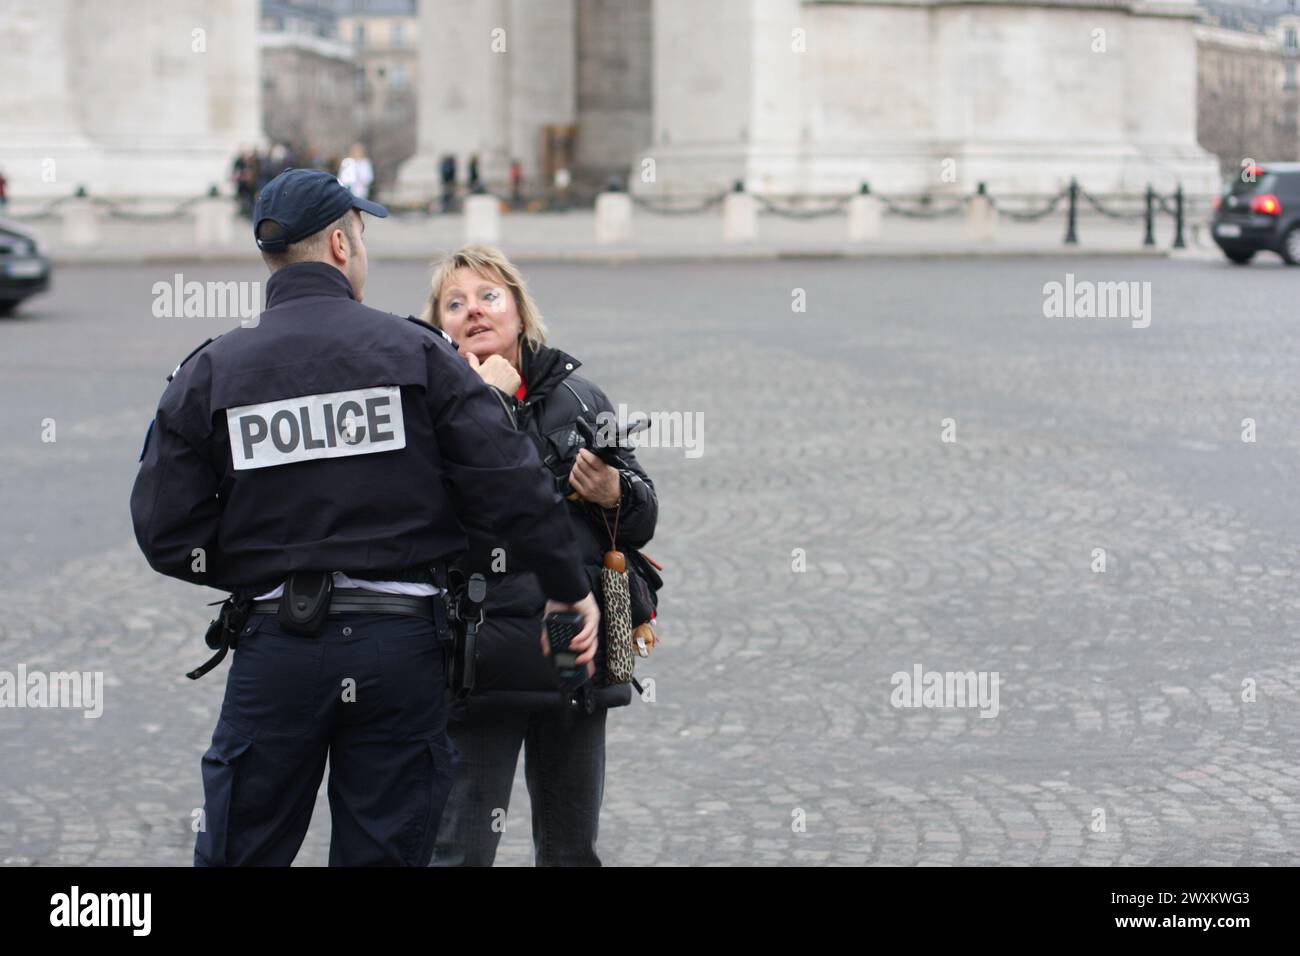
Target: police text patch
362, 421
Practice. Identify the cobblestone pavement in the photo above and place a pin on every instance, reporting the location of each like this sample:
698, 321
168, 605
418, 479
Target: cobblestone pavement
1161, 693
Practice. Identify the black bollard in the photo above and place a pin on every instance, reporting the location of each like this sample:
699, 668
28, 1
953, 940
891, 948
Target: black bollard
1150, 238
1178, 218
1071, 233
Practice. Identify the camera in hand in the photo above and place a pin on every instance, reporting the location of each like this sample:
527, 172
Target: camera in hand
605, 444
561, 629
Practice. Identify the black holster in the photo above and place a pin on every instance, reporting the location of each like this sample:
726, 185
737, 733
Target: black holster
223, 633
465, 617
305, 604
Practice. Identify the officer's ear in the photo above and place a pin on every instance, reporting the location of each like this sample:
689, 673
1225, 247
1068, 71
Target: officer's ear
340, 244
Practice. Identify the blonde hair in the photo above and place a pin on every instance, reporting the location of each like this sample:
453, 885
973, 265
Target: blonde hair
491, 263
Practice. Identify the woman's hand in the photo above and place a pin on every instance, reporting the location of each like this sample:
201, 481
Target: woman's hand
496, 371
595, 481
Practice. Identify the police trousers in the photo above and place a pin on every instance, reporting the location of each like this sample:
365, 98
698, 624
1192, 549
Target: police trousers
367, 692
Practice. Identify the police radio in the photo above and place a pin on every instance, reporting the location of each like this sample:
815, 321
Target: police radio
561, 629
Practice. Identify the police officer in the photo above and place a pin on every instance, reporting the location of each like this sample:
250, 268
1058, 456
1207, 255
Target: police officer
323, 465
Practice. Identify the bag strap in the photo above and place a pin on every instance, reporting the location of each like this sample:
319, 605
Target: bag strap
613, 535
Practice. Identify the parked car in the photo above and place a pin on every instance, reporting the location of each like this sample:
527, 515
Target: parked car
1260, 211
23, 270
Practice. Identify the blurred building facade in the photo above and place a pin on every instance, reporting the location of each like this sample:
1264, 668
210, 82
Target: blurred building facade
550, 84
308, 80
383, 35
679, 96
1248, 87
814, 96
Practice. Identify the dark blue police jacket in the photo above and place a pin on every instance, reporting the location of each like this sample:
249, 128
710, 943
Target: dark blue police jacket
335, 437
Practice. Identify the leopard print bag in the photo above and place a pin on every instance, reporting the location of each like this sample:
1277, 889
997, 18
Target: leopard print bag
617, 617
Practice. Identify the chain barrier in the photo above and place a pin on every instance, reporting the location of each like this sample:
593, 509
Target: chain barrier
836, 208
45, 212
658, 208
925, 213
1164, 205
1021, 215
910, 207
117, 211
1100, 207
114, 210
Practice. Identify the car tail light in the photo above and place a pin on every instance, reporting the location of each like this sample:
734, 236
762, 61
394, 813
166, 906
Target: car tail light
1216, 202
1266, 203
1251, 173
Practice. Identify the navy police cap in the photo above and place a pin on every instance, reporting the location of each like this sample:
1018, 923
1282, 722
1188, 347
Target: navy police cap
303, 202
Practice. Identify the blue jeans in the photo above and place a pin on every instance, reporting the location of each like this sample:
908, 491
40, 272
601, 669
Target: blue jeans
564, 765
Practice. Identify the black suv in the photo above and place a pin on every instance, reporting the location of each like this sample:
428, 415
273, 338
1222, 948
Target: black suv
1261, 210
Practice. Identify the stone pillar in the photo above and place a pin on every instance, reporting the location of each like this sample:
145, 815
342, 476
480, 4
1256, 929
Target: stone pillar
543, 77
703, 96
492, 74
462, 106
613, 217
482, 218
80, 220
864, 217
214, 221
981, 219
125, 98
739, 218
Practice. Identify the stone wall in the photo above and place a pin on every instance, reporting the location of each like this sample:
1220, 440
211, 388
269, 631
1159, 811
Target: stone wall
817, 97
125, 98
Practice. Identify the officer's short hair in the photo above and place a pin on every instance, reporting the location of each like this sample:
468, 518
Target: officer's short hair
304, 250
493, 264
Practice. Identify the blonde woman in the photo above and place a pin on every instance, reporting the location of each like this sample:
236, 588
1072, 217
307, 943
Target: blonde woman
479, 298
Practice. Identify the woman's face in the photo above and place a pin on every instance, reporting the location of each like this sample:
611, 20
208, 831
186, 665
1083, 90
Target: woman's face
480, 314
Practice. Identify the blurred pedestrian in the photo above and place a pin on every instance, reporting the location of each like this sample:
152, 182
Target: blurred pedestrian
563, 179
448, 174
516, 183
244, 174
356, 173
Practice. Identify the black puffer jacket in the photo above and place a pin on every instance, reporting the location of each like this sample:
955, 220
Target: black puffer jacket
511, 671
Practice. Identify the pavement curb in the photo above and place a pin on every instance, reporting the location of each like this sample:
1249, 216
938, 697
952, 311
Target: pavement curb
623, 256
